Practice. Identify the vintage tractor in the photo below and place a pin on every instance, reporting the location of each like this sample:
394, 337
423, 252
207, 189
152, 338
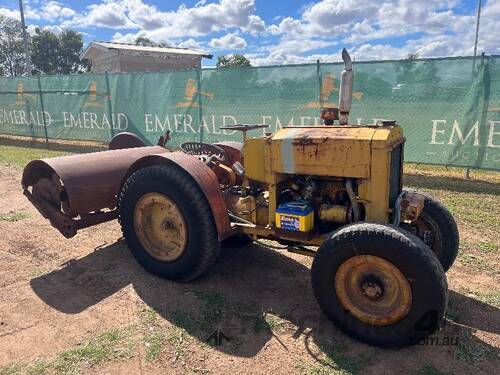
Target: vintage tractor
333, 192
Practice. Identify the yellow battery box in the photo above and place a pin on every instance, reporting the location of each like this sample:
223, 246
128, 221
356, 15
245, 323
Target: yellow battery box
297, 216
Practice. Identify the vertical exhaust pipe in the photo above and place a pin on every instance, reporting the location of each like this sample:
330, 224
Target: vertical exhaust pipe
345, 92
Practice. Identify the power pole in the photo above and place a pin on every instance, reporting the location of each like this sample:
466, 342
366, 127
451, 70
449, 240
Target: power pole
27, 57
478, 17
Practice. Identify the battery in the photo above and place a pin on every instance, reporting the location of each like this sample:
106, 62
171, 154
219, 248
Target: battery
296, 216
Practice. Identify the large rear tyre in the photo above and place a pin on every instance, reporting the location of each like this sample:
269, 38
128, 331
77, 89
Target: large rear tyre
437, 228
167, 223
380, 284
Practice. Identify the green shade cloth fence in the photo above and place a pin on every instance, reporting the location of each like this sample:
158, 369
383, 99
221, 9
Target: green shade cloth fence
449, 108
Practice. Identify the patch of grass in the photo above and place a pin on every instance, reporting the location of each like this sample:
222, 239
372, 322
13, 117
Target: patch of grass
12, 369
96, 351
456, 173
148, 315
274, 323
177, 338
214, 307
477, 261
336, 362
14, 216
491, 297
429, 370
487, 247
154, 345
472, 350
39, 368
20, 156
185, 321
37, 271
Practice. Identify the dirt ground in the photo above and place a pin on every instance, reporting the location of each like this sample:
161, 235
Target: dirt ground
84, 305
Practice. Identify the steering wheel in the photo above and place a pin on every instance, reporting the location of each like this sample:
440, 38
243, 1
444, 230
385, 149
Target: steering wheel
205, 151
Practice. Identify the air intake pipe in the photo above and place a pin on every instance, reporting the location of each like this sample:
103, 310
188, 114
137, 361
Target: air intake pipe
345, 92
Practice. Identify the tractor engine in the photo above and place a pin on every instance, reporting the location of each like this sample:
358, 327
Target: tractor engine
316, 179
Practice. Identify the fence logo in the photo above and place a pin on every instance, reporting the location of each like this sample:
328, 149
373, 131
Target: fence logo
191, 95
327, 88
22, 97
92, 100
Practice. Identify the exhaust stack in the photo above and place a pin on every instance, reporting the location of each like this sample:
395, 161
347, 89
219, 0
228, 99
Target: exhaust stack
345, 92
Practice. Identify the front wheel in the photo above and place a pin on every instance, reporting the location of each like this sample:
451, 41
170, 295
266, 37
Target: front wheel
380, 284
437, 228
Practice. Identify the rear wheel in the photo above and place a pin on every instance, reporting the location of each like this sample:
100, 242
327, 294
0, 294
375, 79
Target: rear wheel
437, 228
380, 284
167, 223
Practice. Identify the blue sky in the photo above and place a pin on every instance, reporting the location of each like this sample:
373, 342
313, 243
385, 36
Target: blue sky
279, 31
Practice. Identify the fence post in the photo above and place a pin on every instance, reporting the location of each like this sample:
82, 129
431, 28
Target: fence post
318, 73
110, 109
43, 110
200, 104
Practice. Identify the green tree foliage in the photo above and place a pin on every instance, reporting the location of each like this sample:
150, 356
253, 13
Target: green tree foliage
11, 47
146, 42
58, 53
412, 70
232, 61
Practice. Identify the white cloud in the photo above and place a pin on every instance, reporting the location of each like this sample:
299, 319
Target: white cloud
124, 38
109, 14
190, 43
201, 19
10, 13
368, 52
228, 42
54, 10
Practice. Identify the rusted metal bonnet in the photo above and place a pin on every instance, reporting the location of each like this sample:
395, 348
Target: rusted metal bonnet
91, 181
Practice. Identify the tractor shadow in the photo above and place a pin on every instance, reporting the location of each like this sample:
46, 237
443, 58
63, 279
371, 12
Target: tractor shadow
252, 295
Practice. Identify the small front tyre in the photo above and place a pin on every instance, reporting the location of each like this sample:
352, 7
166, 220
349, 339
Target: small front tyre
380, 284
437, 228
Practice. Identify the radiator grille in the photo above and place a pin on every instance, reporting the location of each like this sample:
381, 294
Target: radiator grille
396, 171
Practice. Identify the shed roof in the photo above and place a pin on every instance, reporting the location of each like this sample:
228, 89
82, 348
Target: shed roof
95, 46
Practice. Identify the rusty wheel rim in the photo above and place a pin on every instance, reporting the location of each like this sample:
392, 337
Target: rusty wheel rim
160, 227
373, 290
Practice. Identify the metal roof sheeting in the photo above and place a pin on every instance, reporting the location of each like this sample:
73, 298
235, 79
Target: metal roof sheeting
144, 49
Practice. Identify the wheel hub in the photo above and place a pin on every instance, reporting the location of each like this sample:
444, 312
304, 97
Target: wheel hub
373, 290
160, 227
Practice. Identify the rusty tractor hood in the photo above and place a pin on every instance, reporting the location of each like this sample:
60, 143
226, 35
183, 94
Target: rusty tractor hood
330, 150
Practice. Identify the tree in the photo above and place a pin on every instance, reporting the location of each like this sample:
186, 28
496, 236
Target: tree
146, 42
143, 41
11, 47
71, 48
58, 53
232, 61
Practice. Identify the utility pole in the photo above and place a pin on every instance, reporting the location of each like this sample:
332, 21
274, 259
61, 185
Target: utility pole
478, 17
27, 57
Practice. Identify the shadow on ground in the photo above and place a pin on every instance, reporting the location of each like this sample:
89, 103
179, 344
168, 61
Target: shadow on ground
246, 284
